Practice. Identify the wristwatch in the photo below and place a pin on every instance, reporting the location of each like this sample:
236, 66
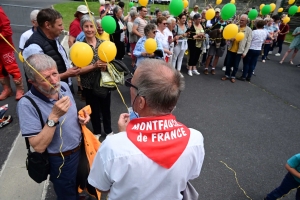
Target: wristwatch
51, 123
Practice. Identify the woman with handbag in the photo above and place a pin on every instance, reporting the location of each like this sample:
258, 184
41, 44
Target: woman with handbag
100, 103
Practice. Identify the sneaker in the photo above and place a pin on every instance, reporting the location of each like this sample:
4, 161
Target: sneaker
277, 54
248, 79
181, 75
231, 68
224, 78
267, 58
241, 78
196, 72
232, 80
224, 69
190, 73
263, 61
206, 71
270, 52
207, 47
5, 120
213, 72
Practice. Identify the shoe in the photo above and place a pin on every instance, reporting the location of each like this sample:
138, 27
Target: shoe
190, 73
298, 65
248, 79
7, 91
270, 52
206, 71
253, 72
224, 69
277, 54
241, 78
196, 72
267, 58
263, 61
231, 68
5, 120
280, 62
291, 62
224, 78
213, 72
232, 80
19, 88
181, 75
207, 47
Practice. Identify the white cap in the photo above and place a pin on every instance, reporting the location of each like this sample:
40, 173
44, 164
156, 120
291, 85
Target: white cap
83, 9
33, 15
102, 2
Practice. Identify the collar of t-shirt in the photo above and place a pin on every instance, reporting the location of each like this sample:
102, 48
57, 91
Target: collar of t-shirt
35, 92
161, 138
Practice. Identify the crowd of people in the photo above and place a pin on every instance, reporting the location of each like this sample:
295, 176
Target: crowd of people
154, 89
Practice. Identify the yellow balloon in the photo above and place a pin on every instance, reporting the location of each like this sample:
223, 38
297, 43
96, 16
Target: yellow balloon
21, 57
185, 3
230, 31
210, 13
81, 54
286, 20
218, 2
240, 36
291, 2
232, 1
150, 45
143, 2
273, 6
298, 9
280, 10
261, 6
107, 51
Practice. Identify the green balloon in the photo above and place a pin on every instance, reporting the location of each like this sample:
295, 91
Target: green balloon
252, 14
176, 7
228, 11
293, 10
266, 10
108, 24
131, 4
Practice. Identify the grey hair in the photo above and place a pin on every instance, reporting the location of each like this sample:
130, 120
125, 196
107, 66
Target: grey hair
40, 62
33, 15
133, 13
87, 18
133, 8
245, 16
98, 21
165, 13
160, 84
170, 20
116, 9
148, 28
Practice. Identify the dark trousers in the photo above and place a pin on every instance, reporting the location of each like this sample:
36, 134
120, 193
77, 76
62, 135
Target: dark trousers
279, 44
204, 56
99, 106
266, 51
194, 55
65, 185
249, 62
233, 60
120, 50
287, 184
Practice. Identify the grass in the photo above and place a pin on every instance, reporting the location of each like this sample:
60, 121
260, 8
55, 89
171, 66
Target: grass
68, 9
289, 37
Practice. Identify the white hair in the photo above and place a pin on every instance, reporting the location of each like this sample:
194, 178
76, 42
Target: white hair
170, 20
33, 15
102, 2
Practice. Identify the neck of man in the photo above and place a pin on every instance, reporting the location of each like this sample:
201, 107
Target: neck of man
48, 34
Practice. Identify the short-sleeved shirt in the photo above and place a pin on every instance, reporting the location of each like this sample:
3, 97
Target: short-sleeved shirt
122, 168
24, 37
294, 162
163, 38
258, 38
30, 124
75, 28
141, 23
283, 28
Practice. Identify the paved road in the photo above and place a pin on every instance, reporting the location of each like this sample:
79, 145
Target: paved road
253, 127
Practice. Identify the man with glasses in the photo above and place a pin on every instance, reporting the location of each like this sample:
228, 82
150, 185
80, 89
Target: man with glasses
154, 156
140, 22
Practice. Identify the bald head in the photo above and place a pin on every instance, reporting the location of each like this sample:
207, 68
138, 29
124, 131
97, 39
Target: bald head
159, 83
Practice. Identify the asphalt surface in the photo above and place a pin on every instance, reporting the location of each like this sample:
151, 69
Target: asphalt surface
252, 127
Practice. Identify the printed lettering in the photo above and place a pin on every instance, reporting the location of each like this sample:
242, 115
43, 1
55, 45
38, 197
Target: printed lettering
173, 134
136, 126
179, 133
143, 126
153, 136
167, 136
160, 124
166, 125
154, 123
149, 126
145, 138
183, 132
170, 123
139, 137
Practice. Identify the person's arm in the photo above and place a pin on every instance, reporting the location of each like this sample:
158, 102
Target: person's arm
71, 72
248, 43
71, 40
104, 12
99, 64
296, 32
41, 141
208, 24
4, 25
293, 171
135, 27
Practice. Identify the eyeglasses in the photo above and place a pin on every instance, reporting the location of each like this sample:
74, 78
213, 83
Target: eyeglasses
154, 32
129, 84
165, 23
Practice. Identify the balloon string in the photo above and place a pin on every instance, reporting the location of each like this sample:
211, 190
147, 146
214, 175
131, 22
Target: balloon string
108, 65
97, 34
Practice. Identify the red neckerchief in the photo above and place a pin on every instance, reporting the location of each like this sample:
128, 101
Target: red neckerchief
162, 138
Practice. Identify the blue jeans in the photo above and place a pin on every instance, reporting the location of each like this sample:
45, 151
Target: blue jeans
249, 62
65, 185
266, 51
232, 60
287, 184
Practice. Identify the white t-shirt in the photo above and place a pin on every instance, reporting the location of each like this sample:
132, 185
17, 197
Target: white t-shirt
163, 38
119, 166
192, 14
24, 37
258, 38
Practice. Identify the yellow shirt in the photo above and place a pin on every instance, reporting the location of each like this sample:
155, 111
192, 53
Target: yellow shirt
104, 36
235, 45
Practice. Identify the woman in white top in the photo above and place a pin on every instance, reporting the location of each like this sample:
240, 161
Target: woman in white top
258, 37
162, 37
181, 42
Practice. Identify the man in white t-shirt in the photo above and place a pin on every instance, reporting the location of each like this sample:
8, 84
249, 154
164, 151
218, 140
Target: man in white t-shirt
153, 156
195, 11
26, 35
